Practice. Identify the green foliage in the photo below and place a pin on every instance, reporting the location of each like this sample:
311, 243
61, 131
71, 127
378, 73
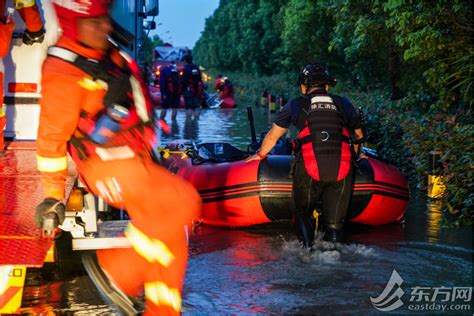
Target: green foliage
242, 35
306, 33
149, 45
453, 136
437, 35
364, 40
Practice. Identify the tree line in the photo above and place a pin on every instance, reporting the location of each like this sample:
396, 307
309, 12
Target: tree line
401, 44
410, 62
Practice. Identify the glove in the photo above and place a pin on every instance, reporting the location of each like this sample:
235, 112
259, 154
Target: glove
29, 38
52, 207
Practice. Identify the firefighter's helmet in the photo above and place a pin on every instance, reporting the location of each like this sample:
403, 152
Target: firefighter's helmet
70, 10
315, 74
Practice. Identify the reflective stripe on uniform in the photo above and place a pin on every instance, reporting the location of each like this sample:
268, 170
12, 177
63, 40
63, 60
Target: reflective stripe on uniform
51, 164
139, 99
92, 85
71, 57
153, 250
19, 4
109, 189
160, 294
62, 53
2, 110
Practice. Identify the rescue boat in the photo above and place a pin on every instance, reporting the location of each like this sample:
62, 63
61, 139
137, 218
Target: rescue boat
235, 193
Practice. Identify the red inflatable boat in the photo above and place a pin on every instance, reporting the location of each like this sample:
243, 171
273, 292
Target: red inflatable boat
236, 193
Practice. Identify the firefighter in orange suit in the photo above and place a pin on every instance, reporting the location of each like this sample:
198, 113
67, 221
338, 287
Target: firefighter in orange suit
6, 31
34, 33
95, 105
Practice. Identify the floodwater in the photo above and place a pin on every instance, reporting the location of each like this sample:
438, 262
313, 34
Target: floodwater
262, 270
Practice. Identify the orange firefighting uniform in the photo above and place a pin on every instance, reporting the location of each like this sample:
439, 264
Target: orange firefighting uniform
6, 31
30, 14
225, 93
160, 204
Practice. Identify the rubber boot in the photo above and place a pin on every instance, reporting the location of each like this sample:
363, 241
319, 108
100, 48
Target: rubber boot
333, 234
305, 229
163, 114
174, 114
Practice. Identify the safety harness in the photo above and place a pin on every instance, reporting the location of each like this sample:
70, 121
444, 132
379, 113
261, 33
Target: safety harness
172, 82
194, 81
137, 130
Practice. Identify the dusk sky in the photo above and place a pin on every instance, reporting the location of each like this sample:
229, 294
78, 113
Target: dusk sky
182, 21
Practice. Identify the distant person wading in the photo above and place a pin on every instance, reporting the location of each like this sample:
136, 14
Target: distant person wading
193, 87
225, 90
170, 88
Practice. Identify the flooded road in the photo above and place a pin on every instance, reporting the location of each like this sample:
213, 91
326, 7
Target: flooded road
262, 270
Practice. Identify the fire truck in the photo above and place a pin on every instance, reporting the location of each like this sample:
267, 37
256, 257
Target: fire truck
22, 244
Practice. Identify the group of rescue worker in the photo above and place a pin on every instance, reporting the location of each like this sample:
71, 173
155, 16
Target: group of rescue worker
191, 86
34, 33
95, 106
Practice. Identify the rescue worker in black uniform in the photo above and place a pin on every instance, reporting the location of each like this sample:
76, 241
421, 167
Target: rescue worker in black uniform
193, 87
330, 137
170, 90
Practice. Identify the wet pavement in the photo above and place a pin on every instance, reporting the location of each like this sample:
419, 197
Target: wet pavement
262, 270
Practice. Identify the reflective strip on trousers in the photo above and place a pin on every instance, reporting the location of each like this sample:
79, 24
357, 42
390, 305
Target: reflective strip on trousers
92, 85
153, 250
51, 164
160, 294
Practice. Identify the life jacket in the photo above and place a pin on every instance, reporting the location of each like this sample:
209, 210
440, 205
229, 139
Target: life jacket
136, 131
224, 87
172, 82
218, 84
323, 139
196, 87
